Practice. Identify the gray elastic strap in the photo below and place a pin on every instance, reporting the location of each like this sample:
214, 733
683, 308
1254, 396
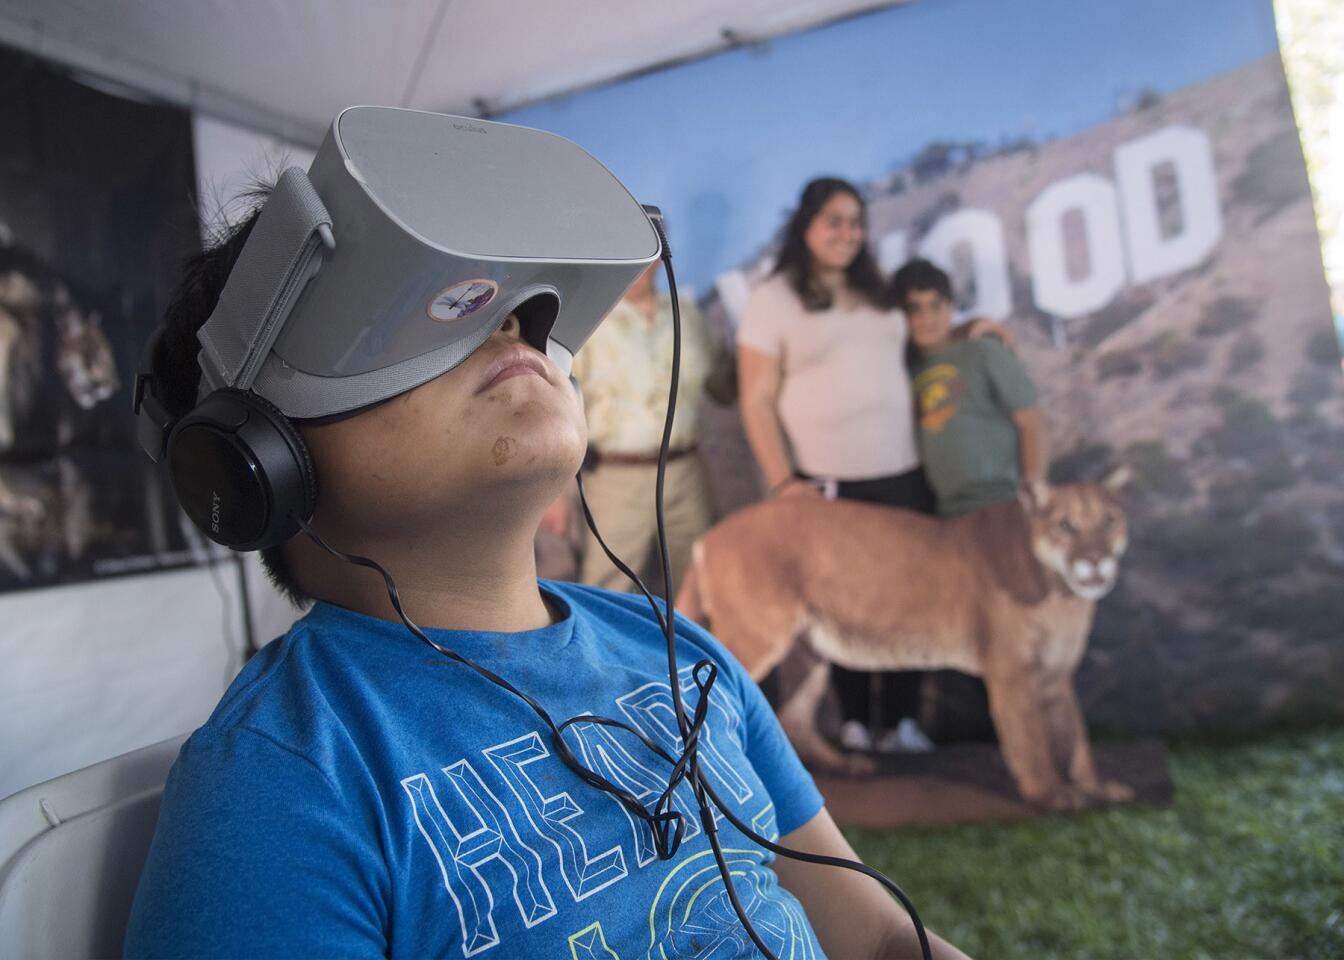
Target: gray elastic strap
281, 255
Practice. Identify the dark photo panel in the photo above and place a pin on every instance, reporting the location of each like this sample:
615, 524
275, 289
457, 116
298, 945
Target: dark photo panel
97, 212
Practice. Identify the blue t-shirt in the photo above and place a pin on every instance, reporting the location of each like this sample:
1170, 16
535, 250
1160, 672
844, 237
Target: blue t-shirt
357, 793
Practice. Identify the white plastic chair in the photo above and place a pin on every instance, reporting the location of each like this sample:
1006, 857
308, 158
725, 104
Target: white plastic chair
71, 852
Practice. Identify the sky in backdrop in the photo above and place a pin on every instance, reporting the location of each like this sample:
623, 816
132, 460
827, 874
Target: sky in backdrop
724, 144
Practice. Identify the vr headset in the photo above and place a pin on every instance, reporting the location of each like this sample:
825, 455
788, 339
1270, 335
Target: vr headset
410, 240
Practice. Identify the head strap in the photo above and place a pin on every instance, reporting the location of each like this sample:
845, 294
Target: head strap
281, 255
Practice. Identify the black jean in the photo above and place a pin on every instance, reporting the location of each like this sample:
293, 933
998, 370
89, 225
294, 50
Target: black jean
897, 692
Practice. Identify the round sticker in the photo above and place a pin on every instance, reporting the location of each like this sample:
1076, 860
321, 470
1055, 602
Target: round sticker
462, 299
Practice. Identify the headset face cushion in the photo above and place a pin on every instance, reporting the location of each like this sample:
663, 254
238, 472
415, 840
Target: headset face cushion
241, 471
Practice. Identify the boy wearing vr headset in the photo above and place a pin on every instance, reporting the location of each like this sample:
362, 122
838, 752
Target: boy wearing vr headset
366, 389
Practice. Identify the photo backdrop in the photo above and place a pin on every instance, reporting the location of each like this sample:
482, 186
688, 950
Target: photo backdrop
96, 214
1123, 186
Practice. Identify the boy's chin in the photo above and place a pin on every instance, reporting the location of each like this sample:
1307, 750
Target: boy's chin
517, 457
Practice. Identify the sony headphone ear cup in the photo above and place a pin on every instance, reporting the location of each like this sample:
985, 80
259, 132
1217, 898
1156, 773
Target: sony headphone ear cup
307, 472
241, 471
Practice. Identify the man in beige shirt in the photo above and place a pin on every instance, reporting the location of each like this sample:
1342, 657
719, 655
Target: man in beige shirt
625, 373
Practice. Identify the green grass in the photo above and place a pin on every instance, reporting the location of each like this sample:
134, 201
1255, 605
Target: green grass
1248, 863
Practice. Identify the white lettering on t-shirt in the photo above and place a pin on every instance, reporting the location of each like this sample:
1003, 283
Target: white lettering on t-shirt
477, 825
601, 750
650, 708
489, 835
550, 816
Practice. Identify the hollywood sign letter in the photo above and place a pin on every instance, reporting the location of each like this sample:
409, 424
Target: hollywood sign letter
1122, 223
1121, 226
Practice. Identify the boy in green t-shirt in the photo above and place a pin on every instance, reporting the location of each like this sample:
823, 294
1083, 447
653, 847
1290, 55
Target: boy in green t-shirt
980, 433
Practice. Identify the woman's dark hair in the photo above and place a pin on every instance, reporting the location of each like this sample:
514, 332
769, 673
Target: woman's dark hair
177, 376
795, 260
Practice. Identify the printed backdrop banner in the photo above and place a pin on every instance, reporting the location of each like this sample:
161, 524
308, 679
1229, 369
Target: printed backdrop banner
96, 214
1122, 186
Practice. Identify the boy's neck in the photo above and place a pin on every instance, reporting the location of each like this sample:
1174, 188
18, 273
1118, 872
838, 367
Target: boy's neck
455, 580
938, 346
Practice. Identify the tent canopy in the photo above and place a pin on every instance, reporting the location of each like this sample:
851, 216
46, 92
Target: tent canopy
285, 67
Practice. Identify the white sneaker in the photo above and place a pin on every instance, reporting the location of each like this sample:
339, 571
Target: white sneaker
855, 736
906, 738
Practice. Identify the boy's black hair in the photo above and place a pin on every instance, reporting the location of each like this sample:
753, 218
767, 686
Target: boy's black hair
177, 375
795, 260
918, 274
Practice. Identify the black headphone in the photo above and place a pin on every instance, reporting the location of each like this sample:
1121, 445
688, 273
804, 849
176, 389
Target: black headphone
238, 466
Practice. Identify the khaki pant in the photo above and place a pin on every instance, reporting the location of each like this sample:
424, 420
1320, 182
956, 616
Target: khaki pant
621, 497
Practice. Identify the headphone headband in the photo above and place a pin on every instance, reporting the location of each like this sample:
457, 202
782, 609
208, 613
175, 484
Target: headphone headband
153, 422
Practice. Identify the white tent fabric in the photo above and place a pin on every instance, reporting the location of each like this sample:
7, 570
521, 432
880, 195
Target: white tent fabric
95, 669
284, 67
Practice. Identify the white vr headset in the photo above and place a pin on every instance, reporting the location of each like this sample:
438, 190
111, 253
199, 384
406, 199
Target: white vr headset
410, 240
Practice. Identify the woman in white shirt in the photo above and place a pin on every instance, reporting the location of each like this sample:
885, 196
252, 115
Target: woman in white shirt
827, 405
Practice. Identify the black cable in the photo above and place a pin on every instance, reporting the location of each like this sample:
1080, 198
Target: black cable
248, 631
700, 784
617, 561
818, 858
668, 826
690, 752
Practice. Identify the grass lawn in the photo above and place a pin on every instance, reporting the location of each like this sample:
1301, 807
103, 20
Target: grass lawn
1248, 863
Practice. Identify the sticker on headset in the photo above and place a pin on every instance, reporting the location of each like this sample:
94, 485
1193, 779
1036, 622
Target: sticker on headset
462, 299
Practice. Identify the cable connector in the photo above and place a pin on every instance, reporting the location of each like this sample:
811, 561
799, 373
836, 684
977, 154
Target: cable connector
656, 218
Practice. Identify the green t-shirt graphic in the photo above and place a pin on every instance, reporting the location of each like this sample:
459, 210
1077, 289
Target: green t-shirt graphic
965, 396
